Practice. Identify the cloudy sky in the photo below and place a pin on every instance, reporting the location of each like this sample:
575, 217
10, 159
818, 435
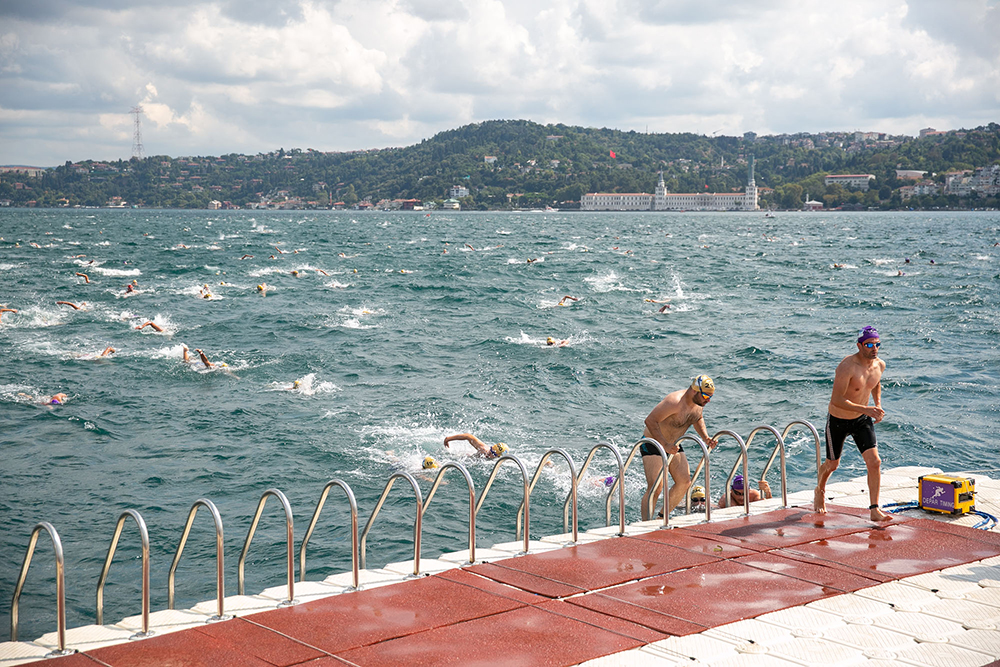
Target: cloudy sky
249, 76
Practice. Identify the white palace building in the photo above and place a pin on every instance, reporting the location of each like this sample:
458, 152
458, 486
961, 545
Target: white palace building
664, 201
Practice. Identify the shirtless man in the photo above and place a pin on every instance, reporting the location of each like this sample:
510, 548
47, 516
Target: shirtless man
668, 421
857, 379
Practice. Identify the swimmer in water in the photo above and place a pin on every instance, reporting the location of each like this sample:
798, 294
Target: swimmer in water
150, 323
562, 301
205, 292
262, 288
664, 307
246, 257
552, 341
71, 304
531, 260
295, 273
323, 272
657, 300
6, 310
85, 276
56, 399
482, 449
108, 351
187, 357
204, 359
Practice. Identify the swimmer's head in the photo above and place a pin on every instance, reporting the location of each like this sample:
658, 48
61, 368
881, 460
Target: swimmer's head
609, 480
295, 273
867, 333
429, 463
498, 450
698, 493
57, 399
296, 384
738, 483
704, 386
550, 341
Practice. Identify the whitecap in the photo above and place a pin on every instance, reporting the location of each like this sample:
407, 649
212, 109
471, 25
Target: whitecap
257, 273
305, 386
117, 273
608, 282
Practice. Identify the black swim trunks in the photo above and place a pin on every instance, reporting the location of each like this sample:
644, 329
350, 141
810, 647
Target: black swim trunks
648, 450
862, 429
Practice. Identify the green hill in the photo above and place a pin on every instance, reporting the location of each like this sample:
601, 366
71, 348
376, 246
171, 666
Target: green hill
531, 165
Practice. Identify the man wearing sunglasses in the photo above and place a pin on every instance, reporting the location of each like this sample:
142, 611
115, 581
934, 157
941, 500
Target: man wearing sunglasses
666, 424
856, 381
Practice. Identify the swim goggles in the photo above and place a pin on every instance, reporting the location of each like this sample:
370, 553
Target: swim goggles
871, 345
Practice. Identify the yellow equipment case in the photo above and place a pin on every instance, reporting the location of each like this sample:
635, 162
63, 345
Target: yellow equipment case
947, 494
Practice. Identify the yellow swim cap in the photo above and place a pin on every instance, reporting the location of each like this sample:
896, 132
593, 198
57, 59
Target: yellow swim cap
704, 385
698, 493
498, 450
550, 340
429, 463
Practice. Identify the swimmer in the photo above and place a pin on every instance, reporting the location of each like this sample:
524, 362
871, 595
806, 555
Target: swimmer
657, 300
562, 301
531, 260
150, 323
71, 304
900, 273
838, 266
262, 288
280, 251
108, 351
56, 399
129, 288
664, 307
205, 292
429, 463
6, 310
906, 260
34, 245
295, 385
736, 490
85, 276
552, 341
340, 254
77, 256
204, 359
246, 257
481, 447
187, 357
323, 272
295, 273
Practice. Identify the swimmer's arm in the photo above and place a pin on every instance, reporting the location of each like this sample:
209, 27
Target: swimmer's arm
764, 487
659, 413
480, 446
204, 359
68, 303
85, 277
702, 431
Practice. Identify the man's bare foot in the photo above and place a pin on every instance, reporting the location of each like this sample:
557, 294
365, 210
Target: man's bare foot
879, 515
819, 502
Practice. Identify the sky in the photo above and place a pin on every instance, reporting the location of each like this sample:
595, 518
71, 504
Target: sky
252, 76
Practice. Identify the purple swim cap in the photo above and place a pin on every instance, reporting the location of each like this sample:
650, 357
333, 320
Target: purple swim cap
738, 483
866, 333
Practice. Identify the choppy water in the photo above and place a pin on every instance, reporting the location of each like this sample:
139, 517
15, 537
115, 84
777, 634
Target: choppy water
399, 343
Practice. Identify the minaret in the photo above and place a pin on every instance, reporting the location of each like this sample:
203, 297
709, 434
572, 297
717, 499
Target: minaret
660, 198
750, 196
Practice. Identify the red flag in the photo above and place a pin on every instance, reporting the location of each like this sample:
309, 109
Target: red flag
612, 154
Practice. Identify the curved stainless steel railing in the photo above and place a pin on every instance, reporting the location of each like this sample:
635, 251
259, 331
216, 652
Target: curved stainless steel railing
417, 525
779, 446
472, 501
289, 534
611, 490
101, 580
60, 586
526, 499
784, 434
572, 492
220, 581
354, 531
732, 473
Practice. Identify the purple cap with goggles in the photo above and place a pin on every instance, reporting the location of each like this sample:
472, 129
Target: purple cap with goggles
867, 333
738, 483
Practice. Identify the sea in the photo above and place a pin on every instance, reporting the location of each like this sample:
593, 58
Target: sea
347, 345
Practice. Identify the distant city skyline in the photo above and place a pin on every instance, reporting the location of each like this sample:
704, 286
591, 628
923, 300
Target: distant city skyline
250, 76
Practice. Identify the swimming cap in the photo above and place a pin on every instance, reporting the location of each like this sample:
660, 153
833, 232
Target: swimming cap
609, 480
498, 450
429, 463
698, 493
738, 483
55, 401
866, 333
550, 340
703, 384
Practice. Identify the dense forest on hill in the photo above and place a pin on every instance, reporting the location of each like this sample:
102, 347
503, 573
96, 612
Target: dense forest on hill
512, 164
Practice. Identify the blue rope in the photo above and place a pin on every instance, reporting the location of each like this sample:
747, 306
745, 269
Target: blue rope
988, 520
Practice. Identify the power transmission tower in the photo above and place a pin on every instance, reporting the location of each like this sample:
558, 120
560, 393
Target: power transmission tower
137, 150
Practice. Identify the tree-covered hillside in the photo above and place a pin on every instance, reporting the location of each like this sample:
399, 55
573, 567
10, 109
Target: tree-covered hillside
510, 164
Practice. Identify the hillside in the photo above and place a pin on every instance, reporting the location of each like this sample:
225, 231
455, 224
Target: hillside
531, 165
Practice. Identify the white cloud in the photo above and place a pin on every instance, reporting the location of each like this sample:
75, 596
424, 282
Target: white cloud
253, 75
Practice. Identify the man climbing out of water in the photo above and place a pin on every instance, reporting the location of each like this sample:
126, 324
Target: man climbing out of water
858, 378
494, 452
668, 421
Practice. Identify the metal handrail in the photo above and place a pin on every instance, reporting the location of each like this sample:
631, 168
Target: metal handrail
472, 501
779, 446
653, 492
220, 582
702, 464
60, 586
784, 434
607, 501
354, 531
732, 473
526, 499
417, 525
144, 536
572, 491
289, 531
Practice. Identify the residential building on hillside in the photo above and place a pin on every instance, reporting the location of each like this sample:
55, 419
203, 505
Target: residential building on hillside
859, 181
909, 174
458, 191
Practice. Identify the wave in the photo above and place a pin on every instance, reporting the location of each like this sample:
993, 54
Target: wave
116, 273
305, 386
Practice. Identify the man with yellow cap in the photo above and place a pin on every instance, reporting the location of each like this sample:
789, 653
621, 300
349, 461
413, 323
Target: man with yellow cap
668, 421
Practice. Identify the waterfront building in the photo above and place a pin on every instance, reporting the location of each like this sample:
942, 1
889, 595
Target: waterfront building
458, 191
859, 181
663, 200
